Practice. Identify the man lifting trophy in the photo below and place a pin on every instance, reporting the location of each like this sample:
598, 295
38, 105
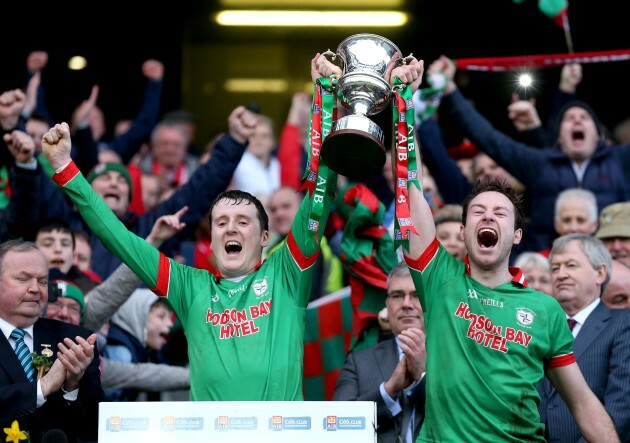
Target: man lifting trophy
373, 75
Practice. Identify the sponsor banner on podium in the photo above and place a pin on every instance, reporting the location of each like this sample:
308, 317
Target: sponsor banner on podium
273, 422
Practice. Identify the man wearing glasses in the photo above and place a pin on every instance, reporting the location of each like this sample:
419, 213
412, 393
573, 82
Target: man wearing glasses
391, 373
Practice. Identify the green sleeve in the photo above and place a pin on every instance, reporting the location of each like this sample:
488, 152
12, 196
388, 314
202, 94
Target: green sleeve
143, 259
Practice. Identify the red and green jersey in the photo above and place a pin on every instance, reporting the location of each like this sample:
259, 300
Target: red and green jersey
487, 349
245, 338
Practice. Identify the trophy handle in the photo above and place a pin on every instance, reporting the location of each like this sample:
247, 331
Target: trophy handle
329, 53
405, 60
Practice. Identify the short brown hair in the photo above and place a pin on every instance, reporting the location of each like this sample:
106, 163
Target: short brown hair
504, 188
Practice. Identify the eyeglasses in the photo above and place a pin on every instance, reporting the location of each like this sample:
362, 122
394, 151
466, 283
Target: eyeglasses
397, 297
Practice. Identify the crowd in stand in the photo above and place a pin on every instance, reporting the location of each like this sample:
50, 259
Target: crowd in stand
573, 175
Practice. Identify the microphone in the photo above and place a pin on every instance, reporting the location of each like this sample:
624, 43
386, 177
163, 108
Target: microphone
55, 436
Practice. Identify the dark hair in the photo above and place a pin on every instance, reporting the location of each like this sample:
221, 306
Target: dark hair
51, 225
504, 188
237, 197
15, 246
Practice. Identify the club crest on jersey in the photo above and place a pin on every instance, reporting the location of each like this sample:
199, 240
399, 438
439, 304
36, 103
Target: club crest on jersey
260, 287
525, 316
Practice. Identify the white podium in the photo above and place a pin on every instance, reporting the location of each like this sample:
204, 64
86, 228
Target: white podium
255, 421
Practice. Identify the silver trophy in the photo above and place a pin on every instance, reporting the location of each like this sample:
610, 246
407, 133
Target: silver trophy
355, 145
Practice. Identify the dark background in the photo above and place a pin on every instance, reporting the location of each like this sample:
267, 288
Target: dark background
116, 40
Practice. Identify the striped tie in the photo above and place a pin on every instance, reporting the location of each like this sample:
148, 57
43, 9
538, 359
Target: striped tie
23, 354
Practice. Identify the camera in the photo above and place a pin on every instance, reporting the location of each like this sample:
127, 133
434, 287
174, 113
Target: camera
54, 291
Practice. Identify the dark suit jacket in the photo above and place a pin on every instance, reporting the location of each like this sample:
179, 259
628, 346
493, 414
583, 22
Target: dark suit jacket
602, 351
18, 396
359, 380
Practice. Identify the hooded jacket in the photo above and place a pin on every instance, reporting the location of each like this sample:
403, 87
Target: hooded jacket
127, 336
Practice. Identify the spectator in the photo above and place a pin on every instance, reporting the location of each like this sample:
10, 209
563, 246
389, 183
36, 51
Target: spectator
327, 269
575, 211
391, 373
580, 269
188, 122
68, 305
617, 293
67, 396
536, 270
448, 224
525, 117
259, 170
140, 325
579, 158
56, 241
169, 159
82, 256
614, 231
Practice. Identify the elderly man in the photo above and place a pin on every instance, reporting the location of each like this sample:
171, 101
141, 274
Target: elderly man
575, 211
391, 373
67, 396
614, 231
580, 270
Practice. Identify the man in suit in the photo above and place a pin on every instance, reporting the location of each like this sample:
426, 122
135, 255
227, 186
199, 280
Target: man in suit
67, 396
581, 268
391, 373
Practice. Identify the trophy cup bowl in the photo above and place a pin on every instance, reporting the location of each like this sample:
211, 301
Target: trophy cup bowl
355, 145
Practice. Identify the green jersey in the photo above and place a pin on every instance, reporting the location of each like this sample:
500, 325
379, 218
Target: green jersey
245, 338
486, 352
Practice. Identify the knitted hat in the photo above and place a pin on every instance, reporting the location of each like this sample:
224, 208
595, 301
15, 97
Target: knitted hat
72, 291
614, 221
102, 168
579, 104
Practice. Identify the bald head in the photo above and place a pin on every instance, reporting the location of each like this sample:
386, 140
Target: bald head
617, 293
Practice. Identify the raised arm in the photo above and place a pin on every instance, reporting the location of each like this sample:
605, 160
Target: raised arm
419, 208
127, 145
105, 299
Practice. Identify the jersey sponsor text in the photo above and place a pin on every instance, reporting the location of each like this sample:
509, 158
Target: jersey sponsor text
487, 334
234, 323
